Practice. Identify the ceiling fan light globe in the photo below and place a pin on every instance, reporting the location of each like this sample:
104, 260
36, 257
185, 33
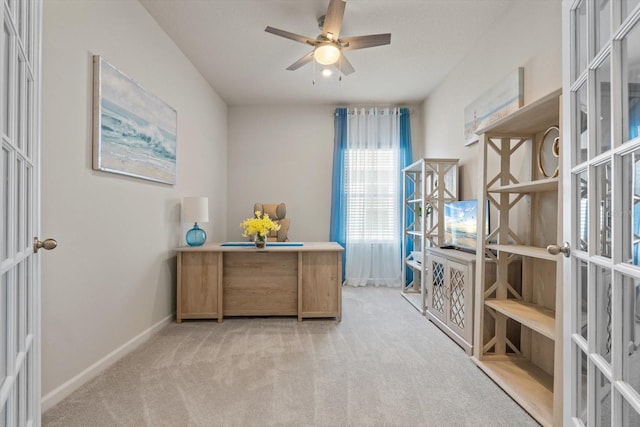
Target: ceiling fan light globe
326, 54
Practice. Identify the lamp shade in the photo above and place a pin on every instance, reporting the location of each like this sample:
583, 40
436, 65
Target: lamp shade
326, 53
195, 209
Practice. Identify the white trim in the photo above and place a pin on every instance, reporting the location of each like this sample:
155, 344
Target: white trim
569, 308
35, 386
57, 395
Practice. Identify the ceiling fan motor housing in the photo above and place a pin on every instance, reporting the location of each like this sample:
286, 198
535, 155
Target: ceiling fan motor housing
327, 46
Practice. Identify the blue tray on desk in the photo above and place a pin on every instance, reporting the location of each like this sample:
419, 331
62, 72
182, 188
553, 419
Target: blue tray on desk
268, 244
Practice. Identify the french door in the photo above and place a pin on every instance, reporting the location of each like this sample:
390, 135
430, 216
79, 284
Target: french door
19, 212
601, 171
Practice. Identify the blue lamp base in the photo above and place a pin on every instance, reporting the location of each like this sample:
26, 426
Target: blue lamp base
196, 236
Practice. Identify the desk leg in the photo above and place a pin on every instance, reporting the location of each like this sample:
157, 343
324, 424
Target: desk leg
339, 264
220, 287
179, 289
299, 286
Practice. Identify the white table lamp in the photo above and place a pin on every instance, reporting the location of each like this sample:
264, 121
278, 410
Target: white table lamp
195, 209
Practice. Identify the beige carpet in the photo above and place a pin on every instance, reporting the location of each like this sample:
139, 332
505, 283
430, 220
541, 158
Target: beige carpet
383, 365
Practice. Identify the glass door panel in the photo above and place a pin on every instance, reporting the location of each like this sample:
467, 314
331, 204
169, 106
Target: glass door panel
629, 415
603, 401
582, 324
603, 209
603, 312
4, 199
603, 100
19, 222
6, 80
631, 64
631, 332
628, 6
631, 208
581, 388
603, 23
4, 283
581, 125
582, 209
580, 39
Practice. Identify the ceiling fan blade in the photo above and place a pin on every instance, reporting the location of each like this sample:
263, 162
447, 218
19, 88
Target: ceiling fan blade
361, 42
344, 65
291, 36
333, 19
300, 62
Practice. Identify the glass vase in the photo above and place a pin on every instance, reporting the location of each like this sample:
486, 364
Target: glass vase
260, 241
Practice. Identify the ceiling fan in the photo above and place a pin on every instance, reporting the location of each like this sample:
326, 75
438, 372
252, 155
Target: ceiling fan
328, 47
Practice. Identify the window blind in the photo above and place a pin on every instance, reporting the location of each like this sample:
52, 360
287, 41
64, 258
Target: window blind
371, 182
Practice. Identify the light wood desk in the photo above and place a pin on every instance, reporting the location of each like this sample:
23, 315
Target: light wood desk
216, 281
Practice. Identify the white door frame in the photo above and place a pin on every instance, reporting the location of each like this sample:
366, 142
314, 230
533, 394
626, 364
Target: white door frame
20, 116
605, 351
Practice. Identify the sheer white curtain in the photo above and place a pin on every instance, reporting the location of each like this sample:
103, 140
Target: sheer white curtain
372, 182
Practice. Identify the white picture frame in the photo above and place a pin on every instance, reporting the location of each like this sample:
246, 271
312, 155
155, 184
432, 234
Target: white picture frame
495, 103
134, 132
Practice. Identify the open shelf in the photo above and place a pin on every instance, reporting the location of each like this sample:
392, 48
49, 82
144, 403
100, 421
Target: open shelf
415, 299
530, 119
533, 316
414, 264
414, 201
530, 251
539, 186
527, 384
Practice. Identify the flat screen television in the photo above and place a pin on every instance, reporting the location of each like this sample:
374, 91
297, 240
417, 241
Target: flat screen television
461, 223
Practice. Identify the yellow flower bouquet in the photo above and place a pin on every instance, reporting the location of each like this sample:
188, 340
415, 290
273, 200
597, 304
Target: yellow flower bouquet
258, 226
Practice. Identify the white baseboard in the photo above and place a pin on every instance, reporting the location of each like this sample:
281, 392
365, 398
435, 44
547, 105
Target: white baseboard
57, 395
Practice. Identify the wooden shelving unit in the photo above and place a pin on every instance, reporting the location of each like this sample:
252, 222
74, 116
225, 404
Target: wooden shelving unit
526, 383
427, 185
518, 330
540, 319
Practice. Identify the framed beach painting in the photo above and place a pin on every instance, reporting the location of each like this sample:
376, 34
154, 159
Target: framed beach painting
495, 103
134, 132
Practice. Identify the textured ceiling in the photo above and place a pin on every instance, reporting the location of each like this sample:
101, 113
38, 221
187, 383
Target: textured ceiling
226, 41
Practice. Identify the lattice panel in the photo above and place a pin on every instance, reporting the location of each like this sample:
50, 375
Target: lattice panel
439, 295
456, 309
508, 207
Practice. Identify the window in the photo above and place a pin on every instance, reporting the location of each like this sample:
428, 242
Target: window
371, 187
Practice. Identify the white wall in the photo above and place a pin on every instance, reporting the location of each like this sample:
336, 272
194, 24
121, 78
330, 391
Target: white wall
529, 36
112, 276
285, 154
281, 154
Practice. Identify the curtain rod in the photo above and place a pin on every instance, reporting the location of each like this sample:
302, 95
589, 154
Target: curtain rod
350, 112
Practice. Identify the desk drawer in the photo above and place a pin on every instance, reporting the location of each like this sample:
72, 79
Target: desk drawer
260, 283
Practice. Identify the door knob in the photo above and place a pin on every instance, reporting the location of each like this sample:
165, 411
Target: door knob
48, 244
555, 249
